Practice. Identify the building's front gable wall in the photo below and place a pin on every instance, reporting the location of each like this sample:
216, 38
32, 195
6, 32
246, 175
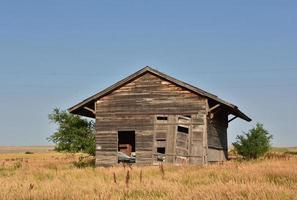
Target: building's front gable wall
150, 94
134, 107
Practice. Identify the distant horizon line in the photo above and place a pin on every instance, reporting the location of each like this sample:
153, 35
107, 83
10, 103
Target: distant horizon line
55, 145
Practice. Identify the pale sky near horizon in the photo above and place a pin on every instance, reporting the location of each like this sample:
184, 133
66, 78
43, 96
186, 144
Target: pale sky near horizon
56, 53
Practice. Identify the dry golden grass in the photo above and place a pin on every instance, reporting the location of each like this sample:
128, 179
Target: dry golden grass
23, 149
53, 176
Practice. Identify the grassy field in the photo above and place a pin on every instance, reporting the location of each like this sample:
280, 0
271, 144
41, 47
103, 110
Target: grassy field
23, 149
284, 149
58, 176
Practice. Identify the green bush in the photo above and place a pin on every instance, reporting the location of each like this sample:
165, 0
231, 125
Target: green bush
253, 144
74, 134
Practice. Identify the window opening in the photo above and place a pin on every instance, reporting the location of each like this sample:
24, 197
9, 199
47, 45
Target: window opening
162, 118
183, 129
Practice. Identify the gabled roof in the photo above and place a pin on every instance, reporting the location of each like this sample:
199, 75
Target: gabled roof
91, 100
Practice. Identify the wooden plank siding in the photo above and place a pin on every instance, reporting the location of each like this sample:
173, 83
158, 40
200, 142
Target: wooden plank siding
134, 107
197, 149
181, 147
191, 128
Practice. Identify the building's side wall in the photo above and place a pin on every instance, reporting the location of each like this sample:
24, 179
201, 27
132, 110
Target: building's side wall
217, 137
133, 107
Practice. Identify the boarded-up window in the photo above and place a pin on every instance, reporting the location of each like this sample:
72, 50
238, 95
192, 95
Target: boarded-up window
161, 136
184, 117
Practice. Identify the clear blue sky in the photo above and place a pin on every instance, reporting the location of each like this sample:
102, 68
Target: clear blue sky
56, 53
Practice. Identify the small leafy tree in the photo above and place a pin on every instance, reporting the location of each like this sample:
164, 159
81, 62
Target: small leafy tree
73, 134
254, 143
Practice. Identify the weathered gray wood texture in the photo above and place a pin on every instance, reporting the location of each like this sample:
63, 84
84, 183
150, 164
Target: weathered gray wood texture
134, 103
217, 136
86, 107
181, 147
134, 107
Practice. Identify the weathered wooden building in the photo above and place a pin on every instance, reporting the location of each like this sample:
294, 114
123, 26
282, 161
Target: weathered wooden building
155, 114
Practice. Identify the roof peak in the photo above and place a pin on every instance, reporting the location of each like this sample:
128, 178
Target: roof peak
147, 68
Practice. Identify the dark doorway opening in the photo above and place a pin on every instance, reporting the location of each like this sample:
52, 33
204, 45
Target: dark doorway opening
126, 146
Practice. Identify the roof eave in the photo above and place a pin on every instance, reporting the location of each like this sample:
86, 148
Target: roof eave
242, 115
108, 90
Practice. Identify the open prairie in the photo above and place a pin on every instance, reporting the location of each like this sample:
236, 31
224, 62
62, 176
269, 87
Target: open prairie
24, 149
54, 175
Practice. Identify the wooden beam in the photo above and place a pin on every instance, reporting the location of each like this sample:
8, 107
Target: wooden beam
214, 107
91, 110
230, 120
